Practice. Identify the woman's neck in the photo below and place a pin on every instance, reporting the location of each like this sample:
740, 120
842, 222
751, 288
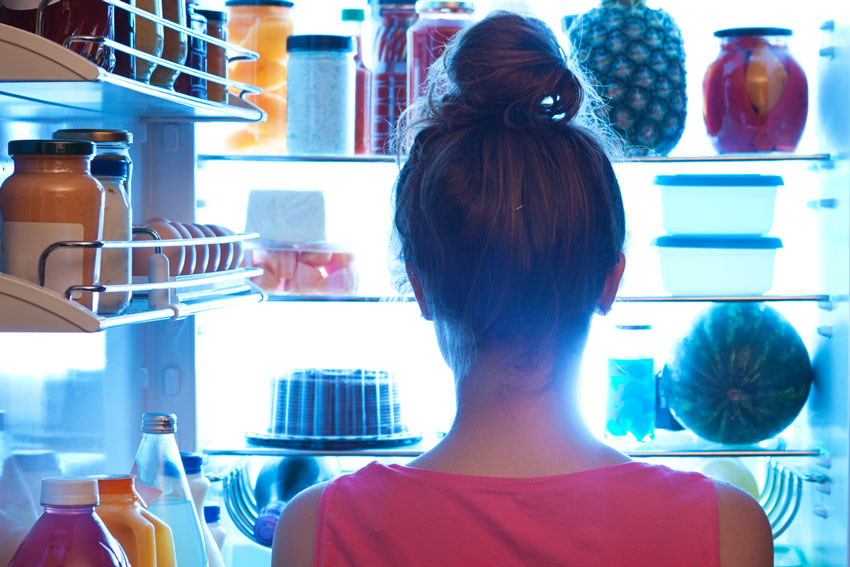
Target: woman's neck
518, 425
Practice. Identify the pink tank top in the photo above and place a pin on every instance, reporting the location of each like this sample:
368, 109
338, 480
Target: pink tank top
633, 514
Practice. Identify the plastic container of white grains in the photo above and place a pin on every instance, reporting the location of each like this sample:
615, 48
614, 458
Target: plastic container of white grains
320, 96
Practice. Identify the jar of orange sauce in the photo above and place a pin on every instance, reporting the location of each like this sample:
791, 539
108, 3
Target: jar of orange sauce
262, 26
51, 196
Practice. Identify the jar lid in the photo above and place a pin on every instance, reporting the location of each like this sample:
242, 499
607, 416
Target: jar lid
718, 180
69, 491
193, 463
212, 513
109, 167
740, 32
214, 15
728, 242
159, 423
94, 135
50, 147
320, 43
353, 15
423, 5
279, 3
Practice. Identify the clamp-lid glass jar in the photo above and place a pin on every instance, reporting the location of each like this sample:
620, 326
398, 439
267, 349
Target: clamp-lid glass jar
51, 196
321, 93
755, 93
438, 22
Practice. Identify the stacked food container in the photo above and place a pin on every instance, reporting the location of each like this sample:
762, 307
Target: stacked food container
716, 225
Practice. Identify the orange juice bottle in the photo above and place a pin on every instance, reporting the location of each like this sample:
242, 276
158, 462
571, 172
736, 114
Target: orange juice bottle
145, 538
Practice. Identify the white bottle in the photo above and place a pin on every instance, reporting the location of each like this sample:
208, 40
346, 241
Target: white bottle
198, 486
212, 515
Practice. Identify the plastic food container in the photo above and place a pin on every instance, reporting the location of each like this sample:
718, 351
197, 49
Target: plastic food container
335, 407
715, 266
303, 269
717, 204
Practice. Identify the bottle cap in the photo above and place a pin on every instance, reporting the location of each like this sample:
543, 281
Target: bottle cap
353, 15
101, 167
115, 484
743, 32
214, 15
159, 423
212, 513
50, 147
69, 491
94, 135
319, 43
192, 463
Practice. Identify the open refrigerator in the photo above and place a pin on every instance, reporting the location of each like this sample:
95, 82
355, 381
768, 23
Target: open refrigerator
77, 384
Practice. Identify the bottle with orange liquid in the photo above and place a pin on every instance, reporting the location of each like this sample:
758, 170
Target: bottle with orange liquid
146, 539
262, 26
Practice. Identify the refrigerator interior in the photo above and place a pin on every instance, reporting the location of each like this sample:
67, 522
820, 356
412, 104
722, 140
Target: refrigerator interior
82, 395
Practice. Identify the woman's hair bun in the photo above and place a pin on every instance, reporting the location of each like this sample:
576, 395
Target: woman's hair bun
511, 65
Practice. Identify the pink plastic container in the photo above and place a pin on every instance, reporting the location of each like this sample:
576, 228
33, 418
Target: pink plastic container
69, 533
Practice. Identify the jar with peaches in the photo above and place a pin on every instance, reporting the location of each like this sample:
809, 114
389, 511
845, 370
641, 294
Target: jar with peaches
755, 93
262, 26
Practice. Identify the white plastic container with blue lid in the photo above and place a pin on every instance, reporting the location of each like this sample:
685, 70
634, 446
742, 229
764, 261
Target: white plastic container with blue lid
717, 265
717, 204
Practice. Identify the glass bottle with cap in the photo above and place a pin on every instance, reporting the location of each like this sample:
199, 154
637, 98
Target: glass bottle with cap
51, 196
438, 22
212, 515
354, 17
322, 79
161, 482
630, 406
69, 532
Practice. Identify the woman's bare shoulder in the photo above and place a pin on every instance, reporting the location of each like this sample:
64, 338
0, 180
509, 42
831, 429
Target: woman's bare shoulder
745, 536
295, 535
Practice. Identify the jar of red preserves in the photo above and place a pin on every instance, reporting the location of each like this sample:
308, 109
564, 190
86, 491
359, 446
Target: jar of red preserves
61, 19
755, 94
438, 22
389, 77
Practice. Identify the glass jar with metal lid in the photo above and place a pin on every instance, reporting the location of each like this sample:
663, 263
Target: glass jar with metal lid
50, 197
321, 95
109, 144
438, 22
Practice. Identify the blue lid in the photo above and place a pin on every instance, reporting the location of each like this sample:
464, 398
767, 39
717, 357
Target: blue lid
101, 167
719, 180
192, 462
212, 513
737, 242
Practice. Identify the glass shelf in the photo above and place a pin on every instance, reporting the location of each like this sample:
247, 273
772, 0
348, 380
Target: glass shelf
771, 157
624, 299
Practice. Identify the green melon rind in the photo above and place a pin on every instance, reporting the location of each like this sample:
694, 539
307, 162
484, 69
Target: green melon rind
749, 347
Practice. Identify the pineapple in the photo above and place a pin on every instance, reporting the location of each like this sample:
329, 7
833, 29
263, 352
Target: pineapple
634, 56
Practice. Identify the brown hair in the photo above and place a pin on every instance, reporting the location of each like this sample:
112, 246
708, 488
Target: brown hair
507, 209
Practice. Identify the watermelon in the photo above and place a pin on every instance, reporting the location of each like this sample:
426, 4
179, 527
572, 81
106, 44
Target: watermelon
741, 375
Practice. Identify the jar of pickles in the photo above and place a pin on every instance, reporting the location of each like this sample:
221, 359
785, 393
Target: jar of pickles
61, 19
438, 22
755, 93
389, 78
262, 26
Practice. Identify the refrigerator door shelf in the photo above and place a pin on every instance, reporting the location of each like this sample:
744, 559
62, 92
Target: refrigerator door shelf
26, 307
34, 69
